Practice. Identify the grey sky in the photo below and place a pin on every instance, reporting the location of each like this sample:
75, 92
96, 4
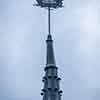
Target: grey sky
76, 33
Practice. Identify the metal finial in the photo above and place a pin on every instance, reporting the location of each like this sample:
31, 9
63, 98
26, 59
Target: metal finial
49, 21
49, 4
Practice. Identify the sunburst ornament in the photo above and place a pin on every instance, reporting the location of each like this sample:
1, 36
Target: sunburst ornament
50, 3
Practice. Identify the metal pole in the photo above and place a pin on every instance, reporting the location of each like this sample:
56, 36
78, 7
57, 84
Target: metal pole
49, 24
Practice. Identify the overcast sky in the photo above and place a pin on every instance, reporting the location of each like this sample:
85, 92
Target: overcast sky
76, 34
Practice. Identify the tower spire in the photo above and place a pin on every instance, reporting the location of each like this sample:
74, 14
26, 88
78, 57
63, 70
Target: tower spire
50, 60
51, 89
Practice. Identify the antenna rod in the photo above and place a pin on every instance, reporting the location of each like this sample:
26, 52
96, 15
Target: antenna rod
49, 24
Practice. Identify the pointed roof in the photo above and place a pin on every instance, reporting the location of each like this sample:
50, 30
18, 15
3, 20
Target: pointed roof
50, 60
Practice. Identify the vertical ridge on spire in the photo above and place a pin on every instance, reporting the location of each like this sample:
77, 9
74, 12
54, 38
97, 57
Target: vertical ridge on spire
50, 60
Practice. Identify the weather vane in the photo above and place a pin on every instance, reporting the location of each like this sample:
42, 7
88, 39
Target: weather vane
49, 4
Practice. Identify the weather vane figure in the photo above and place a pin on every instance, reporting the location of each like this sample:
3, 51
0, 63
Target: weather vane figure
49, 4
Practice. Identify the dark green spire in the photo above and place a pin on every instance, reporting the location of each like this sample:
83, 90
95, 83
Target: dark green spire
50, 53
51, 89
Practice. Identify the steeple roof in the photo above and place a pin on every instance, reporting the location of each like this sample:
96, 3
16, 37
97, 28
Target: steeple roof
50, 53
51, 89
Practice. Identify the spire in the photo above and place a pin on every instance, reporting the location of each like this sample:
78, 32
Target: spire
50, 53
51, 89
51, 80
